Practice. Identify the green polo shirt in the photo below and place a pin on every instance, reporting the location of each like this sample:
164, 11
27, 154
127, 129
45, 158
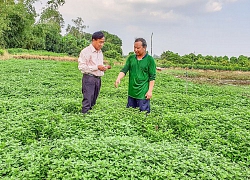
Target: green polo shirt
140, 73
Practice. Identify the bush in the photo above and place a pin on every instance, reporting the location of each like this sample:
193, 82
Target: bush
17, 50
112, 54
1, 52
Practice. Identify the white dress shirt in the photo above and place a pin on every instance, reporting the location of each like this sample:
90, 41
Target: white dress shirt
89, 59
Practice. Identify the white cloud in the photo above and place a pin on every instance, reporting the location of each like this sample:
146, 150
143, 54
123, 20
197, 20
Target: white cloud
133, 10
142, 1
178, 22
213, 6
217, 5
170, 16
134, 29
231, 0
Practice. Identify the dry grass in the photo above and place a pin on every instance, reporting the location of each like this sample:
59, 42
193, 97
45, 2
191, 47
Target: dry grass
212, 76
5, 56
27, 56
55, 58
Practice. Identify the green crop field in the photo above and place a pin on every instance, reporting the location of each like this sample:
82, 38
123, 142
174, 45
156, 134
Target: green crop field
195, 131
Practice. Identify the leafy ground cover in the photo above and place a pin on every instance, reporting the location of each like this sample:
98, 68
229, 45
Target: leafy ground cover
195, 131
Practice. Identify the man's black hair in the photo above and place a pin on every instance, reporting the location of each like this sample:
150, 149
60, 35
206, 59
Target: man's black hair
144, 43
97, 35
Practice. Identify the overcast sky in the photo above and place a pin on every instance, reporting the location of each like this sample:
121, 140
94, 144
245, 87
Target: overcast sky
207, 27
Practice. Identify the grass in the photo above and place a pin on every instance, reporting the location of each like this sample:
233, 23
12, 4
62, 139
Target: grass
4, 55
20, 51
211, 76
199, 131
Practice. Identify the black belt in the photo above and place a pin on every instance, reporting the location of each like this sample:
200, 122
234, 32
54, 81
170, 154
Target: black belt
99, 77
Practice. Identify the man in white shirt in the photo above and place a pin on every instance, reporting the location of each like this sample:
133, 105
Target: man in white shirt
90, 63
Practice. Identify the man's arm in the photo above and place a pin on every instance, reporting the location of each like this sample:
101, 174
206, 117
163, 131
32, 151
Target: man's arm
150, 89
118, 80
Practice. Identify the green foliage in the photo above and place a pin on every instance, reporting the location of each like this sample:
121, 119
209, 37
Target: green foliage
170, 59
36, 40
1, 52
112, 43
77, 30
112, 54
197, 133
72, 45
52, 17
112, 38
19, 22
19, 30
52, 38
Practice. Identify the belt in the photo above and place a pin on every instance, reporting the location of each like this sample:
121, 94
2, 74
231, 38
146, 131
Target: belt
99, 77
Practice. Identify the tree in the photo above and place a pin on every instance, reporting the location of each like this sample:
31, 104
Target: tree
233, 60
18, 20
76, 30
36, 40
209, 59
4, 9
170, 56
112, 43
243, 61
226, 58
72, 45
112, 54
113, 39
55, 4
50, 24
52, 17
187, 59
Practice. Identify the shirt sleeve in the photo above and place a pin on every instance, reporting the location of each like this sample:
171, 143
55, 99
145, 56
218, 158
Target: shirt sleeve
152, 70
125, 68
83, 63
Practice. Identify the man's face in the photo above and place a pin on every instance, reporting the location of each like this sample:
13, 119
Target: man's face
98, 43
139, 49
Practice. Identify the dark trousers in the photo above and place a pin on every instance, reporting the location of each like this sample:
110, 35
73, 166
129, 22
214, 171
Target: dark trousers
142, 104
90, 89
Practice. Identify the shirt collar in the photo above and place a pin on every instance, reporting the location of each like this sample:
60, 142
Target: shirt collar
93, 49
143, 56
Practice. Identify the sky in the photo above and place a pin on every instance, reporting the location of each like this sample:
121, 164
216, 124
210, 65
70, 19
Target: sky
207, 27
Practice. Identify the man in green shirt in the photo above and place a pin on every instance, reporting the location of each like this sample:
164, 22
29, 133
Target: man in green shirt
142, 73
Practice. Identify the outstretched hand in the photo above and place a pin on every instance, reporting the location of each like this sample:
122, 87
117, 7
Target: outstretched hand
117, 82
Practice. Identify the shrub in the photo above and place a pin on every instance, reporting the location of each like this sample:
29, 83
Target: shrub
112, 54
1, 52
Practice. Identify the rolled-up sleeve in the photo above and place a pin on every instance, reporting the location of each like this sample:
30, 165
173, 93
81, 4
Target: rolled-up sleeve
152, 70
125, 68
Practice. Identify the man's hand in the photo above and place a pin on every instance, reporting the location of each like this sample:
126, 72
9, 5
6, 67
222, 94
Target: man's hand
108, 67
148, 95
102, 68
117, 82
